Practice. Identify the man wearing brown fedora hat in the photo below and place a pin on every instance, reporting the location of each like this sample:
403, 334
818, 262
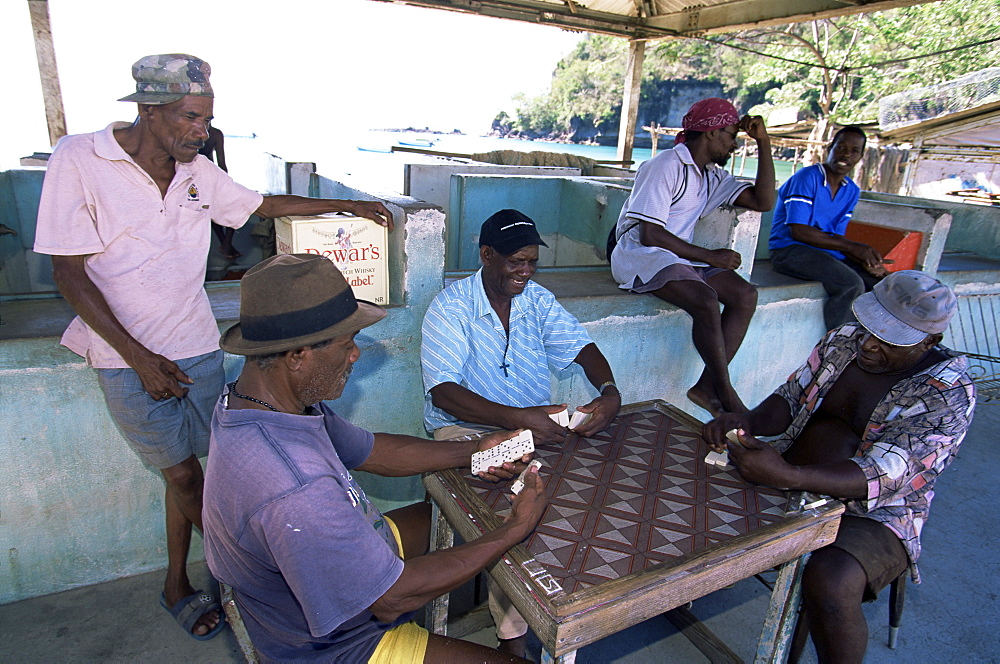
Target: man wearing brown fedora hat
126, 215
318, 571
873, 417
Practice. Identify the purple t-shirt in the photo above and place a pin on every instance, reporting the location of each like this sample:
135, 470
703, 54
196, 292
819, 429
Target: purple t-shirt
294, 535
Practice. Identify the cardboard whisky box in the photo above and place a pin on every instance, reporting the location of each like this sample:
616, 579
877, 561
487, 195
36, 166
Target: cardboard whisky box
357, 246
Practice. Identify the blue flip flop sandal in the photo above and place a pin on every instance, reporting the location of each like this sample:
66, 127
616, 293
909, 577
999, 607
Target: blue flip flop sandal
188, 610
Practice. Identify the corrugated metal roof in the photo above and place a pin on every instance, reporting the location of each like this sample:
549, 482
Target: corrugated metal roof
658, 19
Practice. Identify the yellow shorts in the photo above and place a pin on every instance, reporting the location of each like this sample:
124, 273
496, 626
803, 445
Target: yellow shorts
395, 534
405, 644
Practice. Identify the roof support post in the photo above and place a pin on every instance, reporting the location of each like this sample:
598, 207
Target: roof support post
630, 101
55, 116
912, 165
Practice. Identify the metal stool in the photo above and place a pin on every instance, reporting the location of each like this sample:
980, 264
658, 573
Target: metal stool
236, 623
897, 592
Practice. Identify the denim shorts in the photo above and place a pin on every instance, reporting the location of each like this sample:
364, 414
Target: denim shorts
165, 433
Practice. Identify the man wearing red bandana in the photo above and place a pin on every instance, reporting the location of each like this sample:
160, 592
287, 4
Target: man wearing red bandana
654, 253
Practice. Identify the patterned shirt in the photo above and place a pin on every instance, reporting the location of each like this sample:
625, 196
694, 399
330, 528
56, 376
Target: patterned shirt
913, 433
465, 343
805, 199
671, 191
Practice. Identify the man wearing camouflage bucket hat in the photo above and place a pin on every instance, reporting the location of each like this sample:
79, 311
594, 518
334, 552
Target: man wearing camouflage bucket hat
873, 417
125, 213
319, 573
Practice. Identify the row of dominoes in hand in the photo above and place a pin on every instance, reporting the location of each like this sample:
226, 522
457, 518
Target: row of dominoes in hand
563, 419
509, 450
722, 458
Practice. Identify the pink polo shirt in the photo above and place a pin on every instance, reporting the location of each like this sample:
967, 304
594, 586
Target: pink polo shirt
146, 254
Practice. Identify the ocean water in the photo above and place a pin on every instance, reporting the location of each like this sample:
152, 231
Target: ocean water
374, 168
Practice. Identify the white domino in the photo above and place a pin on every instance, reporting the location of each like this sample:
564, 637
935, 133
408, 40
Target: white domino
519, 482
717, 459
579, 419
733, 435
815, 503
561, 418
509, 450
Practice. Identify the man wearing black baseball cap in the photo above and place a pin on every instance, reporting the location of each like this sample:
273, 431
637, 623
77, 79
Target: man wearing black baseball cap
488, 343
319, 573
875, 414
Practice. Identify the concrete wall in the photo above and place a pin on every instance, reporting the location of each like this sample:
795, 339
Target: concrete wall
574, 216
930, 218
974, 228
432, 182
22, 270
77, 507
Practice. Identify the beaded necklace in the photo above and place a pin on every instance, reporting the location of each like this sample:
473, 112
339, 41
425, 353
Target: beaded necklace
232, 390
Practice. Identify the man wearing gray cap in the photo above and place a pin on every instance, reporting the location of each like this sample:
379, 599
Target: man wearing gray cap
875, 414
126, 215
319, 573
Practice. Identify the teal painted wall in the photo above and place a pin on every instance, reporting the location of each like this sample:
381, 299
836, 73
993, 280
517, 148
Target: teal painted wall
974, 228
77, 507
573, 215
22, 270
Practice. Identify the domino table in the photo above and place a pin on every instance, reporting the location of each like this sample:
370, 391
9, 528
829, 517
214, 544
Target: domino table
637, 524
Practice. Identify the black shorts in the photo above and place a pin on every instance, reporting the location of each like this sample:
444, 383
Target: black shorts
876, 548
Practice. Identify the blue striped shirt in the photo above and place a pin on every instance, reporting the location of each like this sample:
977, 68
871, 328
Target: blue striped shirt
465, 343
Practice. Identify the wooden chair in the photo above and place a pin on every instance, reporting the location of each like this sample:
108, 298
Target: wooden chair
897, 593
236, 623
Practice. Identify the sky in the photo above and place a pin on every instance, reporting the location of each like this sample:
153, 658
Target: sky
302, 69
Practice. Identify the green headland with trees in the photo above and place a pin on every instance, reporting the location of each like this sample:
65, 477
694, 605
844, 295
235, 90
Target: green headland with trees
831, 70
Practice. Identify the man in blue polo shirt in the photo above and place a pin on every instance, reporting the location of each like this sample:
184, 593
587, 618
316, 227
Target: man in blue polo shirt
807, 235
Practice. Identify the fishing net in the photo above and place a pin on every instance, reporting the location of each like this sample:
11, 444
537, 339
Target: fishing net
920, 104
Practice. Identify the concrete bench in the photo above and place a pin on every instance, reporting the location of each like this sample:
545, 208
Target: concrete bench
934, 223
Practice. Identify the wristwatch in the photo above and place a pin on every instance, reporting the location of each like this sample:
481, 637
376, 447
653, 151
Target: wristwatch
606, 385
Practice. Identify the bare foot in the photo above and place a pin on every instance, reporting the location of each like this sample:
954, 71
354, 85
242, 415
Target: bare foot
733, 404
710, 402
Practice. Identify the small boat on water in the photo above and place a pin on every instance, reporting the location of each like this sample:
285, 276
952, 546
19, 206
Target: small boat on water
416, 142
423, 143
372, 148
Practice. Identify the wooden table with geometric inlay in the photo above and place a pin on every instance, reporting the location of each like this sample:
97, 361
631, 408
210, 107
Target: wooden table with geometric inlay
637, 524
